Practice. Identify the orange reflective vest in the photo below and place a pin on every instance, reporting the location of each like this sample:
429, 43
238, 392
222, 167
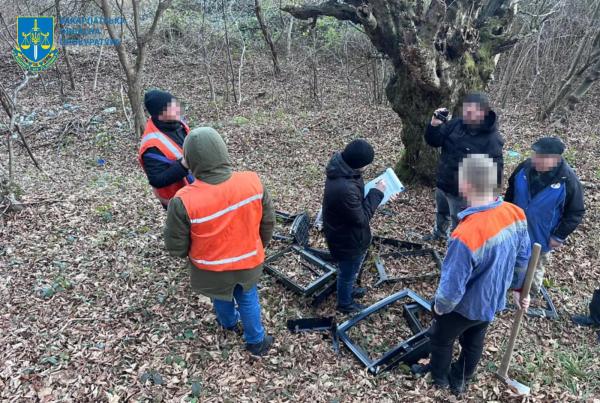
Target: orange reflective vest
225, 221
153, 137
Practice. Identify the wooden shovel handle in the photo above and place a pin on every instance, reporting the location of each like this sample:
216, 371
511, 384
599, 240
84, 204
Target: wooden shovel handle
514, 332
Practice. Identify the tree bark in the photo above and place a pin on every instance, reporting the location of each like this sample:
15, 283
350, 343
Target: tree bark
267, 35
64, 47
440, 50
134, 71
576, 72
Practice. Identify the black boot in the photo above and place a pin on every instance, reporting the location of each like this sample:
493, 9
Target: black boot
420, 370
261, 348
352, 308
458, 385
583, 320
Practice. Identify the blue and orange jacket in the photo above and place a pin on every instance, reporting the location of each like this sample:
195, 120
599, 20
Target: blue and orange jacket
487, 254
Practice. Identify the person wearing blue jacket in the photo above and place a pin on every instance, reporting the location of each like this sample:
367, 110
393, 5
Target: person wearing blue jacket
487, 255
550, 193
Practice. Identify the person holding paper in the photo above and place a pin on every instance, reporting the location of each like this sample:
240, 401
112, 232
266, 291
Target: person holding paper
347, 213
475, 132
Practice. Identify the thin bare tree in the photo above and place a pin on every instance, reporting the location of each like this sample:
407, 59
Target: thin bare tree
267, 36
134, 70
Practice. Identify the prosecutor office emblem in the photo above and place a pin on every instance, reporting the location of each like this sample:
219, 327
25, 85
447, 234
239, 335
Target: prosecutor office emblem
35, 49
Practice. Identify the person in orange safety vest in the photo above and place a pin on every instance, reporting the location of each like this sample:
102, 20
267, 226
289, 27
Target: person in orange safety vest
161, 153
222, 223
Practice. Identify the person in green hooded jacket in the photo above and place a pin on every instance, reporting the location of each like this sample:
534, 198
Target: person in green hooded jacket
222, 223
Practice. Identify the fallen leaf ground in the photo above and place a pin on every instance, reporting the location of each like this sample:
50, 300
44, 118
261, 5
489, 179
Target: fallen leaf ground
93, 308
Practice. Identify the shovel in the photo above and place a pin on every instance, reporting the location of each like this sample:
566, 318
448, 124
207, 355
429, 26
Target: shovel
502, 374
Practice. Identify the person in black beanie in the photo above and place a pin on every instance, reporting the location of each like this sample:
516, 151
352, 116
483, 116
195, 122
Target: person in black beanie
346, 217
475, 132
161, 148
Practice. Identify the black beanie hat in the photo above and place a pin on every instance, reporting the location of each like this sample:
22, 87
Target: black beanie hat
156, 101
548, 145
358, 153
478, 98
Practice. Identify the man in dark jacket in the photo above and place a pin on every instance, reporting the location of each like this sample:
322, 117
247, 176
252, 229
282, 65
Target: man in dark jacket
164, 174
548, 190
476, 132
346, 216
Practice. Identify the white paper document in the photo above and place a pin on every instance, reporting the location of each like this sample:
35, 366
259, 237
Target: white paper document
392, 183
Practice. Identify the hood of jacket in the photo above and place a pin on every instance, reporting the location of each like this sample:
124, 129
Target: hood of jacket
206, 154
337, 168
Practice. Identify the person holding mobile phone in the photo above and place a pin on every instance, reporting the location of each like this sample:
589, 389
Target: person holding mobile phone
475, 132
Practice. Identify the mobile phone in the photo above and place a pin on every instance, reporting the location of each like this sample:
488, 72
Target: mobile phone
442, 115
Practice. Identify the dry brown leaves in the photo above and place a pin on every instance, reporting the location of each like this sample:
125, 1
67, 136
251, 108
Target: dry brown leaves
93, 309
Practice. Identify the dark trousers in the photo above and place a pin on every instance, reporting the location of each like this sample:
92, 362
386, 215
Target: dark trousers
595, 307
443, 333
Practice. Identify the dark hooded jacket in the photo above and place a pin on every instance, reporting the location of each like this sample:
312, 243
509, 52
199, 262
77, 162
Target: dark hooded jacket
457, 140
346, 212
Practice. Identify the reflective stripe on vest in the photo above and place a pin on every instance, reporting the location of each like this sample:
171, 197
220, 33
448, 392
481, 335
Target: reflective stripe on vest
172, 152
227, 210
164, 141
228, 260
225, 223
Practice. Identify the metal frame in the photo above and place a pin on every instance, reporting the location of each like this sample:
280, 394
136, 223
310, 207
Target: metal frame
324, 324
550, 310
384, 276
412, 315
286, 219
404, 245
329, 271
408, 351
300, 229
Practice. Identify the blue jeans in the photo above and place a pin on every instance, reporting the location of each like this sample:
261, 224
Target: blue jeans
248, 310
346, 277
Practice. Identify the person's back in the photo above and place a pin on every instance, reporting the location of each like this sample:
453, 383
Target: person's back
487, 255
221, 223
491, 240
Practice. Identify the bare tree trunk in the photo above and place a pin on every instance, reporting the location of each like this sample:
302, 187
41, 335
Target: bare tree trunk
288, 41
586, 84
97, 67
133, 71
574, 73
241, 66
10, 106
439, 51
207, 67
64, 47
229, 58
267, 35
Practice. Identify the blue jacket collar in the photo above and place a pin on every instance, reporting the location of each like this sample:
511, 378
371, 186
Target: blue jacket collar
472, 210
